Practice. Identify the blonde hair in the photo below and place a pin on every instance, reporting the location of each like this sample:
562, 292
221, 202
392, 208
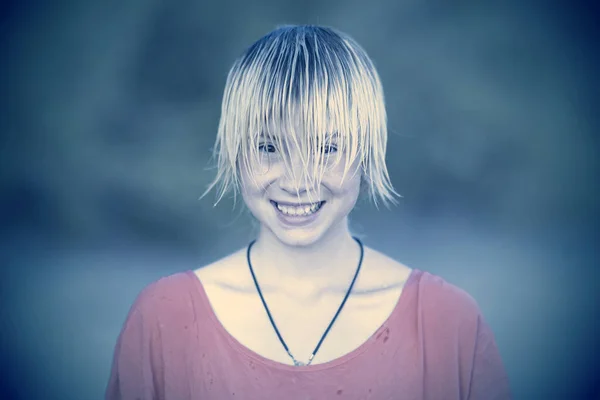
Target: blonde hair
305, 83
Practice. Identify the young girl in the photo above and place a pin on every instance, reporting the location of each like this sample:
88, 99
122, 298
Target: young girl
305, 311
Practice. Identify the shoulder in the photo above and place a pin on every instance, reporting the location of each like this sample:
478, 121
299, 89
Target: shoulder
227, 271
444, 302
433, 294
162, 296
382, 271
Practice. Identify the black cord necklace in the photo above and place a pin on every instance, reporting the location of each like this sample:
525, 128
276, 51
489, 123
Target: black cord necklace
296, 362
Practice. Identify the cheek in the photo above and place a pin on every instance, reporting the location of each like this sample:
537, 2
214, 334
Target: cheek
349, 187
252, 184
352, 180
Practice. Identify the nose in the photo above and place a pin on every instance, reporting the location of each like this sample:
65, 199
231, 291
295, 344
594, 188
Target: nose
295, 179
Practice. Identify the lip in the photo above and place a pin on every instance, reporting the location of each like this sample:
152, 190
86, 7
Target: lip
288, 204
296, 221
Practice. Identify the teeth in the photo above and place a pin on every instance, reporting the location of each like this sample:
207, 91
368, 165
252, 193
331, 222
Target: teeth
300, 211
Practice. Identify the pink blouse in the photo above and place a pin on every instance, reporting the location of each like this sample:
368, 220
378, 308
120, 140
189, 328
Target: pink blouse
434, 345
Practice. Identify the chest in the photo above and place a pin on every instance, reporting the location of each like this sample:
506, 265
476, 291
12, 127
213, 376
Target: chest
301, 325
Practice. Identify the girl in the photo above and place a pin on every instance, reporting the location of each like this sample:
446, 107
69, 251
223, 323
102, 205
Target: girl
305, 311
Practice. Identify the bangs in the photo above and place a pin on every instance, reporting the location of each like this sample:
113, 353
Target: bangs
302, 89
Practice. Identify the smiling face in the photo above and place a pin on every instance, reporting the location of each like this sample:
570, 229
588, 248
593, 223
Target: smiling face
292, 204
290, 95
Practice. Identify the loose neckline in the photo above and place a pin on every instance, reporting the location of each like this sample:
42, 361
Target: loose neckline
237, 346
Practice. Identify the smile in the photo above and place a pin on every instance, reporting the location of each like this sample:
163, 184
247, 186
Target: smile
302, 210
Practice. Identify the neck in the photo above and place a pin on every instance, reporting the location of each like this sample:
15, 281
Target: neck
328, 263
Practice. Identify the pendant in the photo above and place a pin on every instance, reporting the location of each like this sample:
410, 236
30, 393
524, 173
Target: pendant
299, 364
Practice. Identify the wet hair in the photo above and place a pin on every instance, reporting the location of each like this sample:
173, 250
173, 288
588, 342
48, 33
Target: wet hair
300, 88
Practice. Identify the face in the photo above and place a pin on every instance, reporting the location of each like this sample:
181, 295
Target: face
280, 201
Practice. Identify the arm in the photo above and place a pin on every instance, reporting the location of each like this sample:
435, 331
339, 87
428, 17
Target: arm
135, 367
488, 377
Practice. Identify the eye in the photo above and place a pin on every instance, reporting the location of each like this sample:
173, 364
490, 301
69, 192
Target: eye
330, 148
266, 147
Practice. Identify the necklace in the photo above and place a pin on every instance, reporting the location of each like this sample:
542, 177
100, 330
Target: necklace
296, 362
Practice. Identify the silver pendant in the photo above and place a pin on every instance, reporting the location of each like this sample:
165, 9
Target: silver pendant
299, 364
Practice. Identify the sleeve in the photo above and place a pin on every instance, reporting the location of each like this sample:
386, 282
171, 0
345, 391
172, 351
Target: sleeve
135, 369
488, 376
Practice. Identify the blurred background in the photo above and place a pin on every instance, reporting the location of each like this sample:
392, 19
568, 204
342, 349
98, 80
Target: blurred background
110, 109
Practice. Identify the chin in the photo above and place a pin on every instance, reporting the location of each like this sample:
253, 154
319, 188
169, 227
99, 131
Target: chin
301, 237
297, 237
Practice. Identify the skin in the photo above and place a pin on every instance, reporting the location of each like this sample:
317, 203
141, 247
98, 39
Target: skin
304, 273
302, 259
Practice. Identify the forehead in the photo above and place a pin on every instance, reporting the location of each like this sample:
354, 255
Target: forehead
300, 129
285, 135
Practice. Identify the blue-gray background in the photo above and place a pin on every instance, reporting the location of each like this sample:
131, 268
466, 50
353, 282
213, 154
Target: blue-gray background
110, 108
